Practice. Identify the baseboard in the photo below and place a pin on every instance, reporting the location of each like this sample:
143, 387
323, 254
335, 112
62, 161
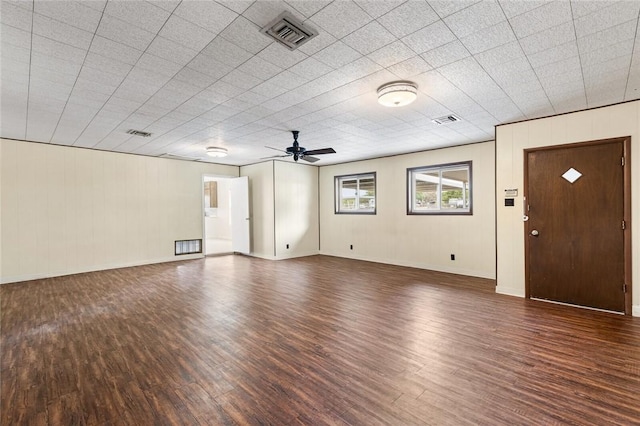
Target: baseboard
430, 267
104, 267
635, 310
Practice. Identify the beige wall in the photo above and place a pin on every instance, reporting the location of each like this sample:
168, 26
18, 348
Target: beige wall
68, 210
284, 209
296, 209
513, 139
392, 236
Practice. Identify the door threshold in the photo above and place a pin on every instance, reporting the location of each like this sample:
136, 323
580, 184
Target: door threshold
577, 306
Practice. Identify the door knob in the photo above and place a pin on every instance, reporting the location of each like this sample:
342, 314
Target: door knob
535, 233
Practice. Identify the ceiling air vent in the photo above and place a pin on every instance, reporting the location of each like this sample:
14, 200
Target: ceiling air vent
446, 119
289, 31
138, 133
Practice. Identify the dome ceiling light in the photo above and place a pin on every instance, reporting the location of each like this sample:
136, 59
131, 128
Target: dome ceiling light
217, 152
397, 94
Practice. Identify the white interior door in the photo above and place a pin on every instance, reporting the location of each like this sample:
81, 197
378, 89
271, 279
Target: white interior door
240, 225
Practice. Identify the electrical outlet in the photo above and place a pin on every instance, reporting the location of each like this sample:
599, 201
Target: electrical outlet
453, 256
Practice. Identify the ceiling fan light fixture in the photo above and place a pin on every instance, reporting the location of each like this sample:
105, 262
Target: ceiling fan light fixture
397, 94
216, 152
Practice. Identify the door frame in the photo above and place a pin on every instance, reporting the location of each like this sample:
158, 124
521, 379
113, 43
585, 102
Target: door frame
626, 172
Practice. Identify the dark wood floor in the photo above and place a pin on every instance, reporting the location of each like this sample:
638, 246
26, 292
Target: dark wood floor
318, 340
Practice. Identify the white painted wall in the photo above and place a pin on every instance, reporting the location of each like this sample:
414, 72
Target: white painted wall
284, 209
68, 210
296, 209
513, 139
392, 236
261, 208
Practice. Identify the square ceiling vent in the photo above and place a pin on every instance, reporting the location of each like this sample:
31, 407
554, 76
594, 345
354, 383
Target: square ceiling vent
447, 119
289, 31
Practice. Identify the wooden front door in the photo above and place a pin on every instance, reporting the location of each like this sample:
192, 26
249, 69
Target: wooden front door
575, 242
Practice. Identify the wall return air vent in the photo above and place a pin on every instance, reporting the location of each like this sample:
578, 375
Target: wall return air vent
446, 119
289, 31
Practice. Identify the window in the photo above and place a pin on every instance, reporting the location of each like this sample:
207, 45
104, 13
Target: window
356, 193
441, 189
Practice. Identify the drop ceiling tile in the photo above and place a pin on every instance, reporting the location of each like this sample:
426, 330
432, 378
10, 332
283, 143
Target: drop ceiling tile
111, 49
445, 8
167, 49
259, 68
63, 33
221, 50
168, 5
341, 18
310, 68
58, 50
268, 89
263, 12
391, 54
369, 38
337, 55
360, 68
241, 80
185, 33
446, 54
489, 38
615, 14
208, 65
608, 37
475, 18
74, 13
308, 8
410, 67
549, 38
221, 91
547, 16
317, 43
430, 37
246, 34
119, 31
15, 16
566, 65
195, 78
376, 8
287, 80
140, 14
279, 55
619, 51
93, 91
105, 64
209, 15
12, 36
47, 73
554, 54
158, 65
514, 8
408, 18
111, 81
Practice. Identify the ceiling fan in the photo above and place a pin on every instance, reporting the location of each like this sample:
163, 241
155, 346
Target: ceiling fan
299, 152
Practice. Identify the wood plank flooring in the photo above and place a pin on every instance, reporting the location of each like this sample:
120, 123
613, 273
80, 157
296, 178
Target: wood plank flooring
318, 341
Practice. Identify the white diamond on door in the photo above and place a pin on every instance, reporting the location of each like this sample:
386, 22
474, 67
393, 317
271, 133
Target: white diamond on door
572, 175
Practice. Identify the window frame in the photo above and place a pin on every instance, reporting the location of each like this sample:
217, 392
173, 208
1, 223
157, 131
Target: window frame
338, 193
439, 168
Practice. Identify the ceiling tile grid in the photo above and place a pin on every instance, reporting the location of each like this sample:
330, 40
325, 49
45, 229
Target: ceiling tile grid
198, 73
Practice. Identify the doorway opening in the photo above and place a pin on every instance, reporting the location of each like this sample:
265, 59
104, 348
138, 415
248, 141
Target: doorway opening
226, 215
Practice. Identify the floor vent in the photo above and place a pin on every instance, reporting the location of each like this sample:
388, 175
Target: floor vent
289, 31
446, 119
188, 247
138, 133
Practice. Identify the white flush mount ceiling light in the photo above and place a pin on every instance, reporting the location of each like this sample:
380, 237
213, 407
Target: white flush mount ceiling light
217, 152
397, 94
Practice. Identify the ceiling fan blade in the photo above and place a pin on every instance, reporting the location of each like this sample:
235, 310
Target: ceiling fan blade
276, 149
275, 156
309, 159
320, 151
